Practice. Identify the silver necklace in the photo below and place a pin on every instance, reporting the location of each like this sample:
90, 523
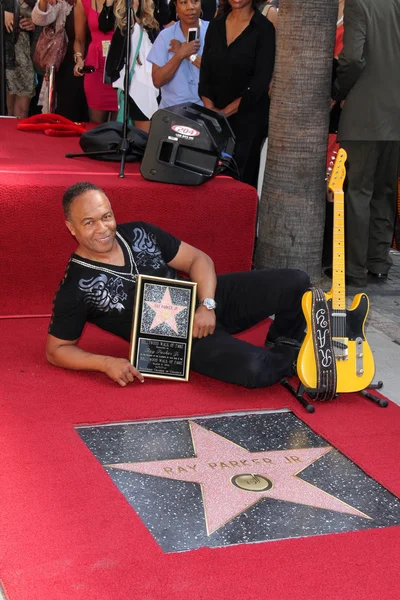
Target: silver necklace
133, 271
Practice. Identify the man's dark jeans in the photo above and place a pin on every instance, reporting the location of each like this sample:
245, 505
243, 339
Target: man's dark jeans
243, 300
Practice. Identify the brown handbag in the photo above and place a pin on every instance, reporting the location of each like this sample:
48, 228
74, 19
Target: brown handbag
50, 48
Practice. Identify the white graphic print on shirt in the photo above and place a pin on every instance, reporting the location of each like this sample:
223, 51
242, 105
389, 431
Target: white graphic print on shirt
144, 244
103, 293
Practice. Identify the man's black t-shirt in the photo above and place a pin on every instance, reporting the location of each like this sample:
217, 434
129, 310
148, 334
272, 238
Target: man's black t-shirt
103, 294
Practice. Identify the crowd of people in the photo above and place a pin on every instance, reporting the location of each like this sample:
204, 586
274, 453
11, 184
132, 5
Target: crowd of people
179, 53
221, 54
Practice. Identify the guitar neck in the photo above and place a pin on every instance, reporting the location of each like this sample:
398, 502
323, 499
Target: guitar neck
338, 268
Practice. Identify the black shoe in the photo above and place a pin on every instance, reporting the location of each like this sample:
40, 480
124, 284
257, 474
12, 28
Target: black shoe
290, 348
269, 343
287, 342
378, 277
282, 341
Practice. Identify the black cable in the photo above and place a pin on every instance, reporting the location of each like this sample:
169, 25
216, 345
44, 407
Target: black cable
236, 167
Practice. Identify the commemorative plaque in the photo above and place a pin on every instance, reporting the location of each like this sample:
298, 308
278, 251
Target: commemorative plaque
162, 326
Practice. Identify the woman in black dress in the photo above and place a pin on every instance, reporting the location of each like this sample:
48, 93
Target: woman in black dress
236, 70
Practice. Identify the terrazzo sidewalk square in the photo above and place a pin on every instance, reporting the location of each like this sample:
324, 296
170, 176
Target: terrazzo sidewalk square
237, 479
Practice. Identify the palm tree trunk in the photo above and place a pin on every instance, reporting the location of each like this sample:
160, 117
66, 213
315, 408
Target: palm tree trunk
292, 206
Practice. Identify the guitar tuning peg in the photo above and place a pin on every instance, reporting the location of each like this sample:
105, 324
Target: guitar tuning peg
331, 163
330, 170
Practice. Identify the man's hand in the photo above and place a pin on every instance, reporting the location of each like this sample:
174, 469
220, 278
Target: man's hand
8, 21
121, 371
204, 322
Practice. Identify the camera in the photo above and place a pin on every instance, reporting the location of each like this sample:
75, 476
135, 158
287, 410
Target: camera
87, 69
193, 34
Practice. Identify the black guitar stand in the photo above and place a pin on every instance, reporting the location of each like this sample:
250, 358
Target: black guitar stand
310, 408
375, 386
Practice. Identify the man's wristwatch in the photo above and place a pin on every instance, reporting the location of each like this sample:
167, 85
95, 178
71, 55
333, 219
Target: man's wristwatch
208, 303
193, 58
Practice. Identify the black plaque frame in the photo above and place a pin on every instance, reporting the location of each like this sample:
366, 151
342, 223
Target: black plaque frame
161, 347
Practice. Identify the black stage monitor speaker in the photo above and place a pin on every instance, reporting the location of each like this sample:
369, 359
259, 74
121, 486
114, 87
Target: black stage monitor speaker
187, 145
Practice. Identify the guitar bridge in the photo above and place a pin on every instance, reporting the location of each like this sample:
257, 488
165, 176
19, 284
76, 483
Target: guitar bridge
341, 348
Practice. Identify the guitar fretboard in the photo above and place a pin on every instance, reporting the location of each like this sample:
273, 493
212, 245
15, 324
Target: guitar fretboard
338, 268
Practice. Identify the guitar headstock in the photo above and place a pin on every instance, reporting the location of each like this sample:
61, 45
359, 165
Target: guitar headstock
338, 174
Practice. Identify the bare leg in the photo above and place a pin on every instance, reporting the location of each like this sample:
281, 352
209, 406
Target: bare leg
98, 116
143, 125
10, 104
21, 106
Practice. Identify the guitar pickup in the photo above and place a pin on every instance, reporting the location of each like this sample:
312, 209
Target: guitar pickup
340, 348
340, 345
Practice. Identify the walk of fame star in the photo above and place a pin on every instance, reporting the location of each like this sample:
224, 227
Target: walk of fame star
165, 311
232, 479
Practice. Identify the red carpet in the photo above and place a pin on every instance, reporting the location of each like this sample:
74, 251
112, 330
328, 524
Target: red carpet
218, 216
68, 534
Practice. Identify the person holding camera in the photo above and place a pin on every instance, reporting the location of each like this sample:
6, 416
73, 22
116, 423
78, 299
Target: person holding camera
176, 55
208, 10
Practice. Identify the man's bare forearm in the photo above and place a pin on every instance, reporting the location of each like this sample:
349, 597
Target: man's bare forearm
202, 271
73, 357
68, 356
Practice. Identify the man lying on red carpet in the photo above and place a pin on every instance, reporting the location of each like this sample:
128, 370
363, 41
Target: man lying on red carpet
99, 287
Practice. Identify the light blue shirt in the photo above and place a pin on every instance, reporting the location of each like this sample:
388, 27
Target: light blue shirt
184, 85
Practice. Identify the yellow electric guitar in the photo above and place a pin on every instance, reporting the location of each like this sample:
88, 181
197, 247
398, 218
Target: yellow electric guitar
353, 357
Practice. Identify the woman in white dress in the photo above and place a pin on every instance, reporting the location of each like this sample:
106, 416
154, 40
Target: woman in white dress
142, 92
